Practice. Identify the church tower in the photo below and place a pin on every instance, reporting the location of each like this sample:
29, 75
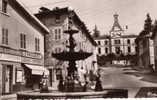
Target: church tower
116, 30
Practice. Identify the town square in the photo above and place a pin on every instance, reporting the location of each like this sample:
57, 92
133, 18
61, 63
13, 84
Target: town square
75, 49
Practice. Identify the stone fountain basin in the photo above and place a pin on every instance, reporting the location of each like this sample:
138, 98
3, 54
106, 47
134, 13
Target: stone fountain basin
63, 95
71, 56
106, 93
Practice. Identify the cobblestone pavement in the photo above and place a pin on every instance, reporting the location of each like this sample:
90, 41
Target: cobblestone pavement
127, 78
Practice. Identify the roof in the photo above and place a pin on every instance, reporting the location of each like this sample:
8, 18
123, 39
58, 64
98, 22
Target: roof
129, 36
47, 12
108, 36
102, 37
27, 15
75, 18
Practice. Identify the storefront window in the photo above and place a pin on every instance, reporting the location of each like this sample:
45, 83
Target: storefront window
19, 76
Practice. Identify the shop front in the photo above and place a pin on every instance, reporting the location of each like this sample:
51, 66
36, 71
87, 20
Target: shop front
20, 77
10, 76
34, 74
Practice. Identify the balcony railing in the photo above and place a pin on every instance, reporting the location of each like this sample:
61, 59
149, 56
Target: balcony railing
23, 53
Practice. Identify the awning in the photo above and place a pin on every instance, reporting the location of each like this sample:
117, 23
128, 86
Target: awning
37, 70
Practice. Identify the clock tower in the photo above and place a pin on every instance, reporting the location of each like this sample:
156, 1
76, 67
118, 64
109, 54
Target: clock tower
116, 30
116, 34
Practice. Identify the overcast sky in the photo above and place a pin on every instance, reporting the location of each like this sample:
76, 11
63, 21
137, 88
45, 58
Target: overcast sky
100, 12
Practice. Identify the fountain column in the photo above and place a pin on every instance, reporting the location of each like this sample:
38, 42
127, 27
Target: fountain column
72, 65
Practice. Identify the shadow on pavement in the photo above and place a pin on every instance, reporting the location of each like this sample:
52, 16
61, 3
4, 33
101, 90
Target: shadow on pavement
149, 77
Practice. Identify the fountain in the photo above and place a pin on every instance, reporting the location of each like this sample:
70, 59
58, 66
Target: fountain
72, 57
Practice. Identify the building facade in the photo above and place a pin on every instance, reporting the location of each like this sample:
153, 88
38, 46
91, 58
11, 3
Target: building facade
154, 38
103, 47
145, 51
117, 42
58, 20
21, 48
145, 46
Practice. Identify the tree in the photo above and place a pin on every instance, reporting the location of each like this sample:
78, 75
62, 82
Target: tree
154, 27
96, 32
148, 24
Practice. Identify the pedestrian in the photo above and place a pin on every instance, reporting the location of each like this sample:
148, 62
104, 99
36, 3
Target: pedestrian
86, 83
98, 85
81, 73
44, 85
151, 68
61, 84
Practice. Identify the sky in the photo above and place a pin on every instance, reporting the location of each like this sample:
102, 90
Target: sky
100, 12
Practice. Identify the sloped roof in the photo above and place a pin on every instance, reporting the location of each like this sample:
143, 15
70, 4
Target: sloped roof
102, 37
27, 15
108, 36
129, 36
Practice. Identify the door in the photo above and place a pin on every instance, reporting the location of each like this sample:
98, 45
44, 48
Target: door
8, 78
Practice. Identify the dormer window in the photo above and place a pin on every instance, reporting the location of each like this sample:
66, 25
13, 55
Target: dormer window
99, 43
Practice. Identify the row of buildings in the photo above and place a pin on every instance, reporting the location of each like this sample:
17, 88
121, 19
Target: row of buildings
27, 43
116, 42
142, 47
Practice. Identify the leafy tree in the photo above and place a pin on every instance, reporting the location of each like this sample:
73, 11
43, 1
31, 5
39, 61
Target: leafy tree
154, 27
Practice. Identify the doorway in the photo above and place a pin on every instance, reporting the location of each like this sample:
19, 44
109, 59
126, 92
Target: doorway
7, 78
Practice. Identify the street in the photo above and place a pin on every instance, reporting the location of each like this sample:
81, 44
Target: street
114, 77
118, 78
